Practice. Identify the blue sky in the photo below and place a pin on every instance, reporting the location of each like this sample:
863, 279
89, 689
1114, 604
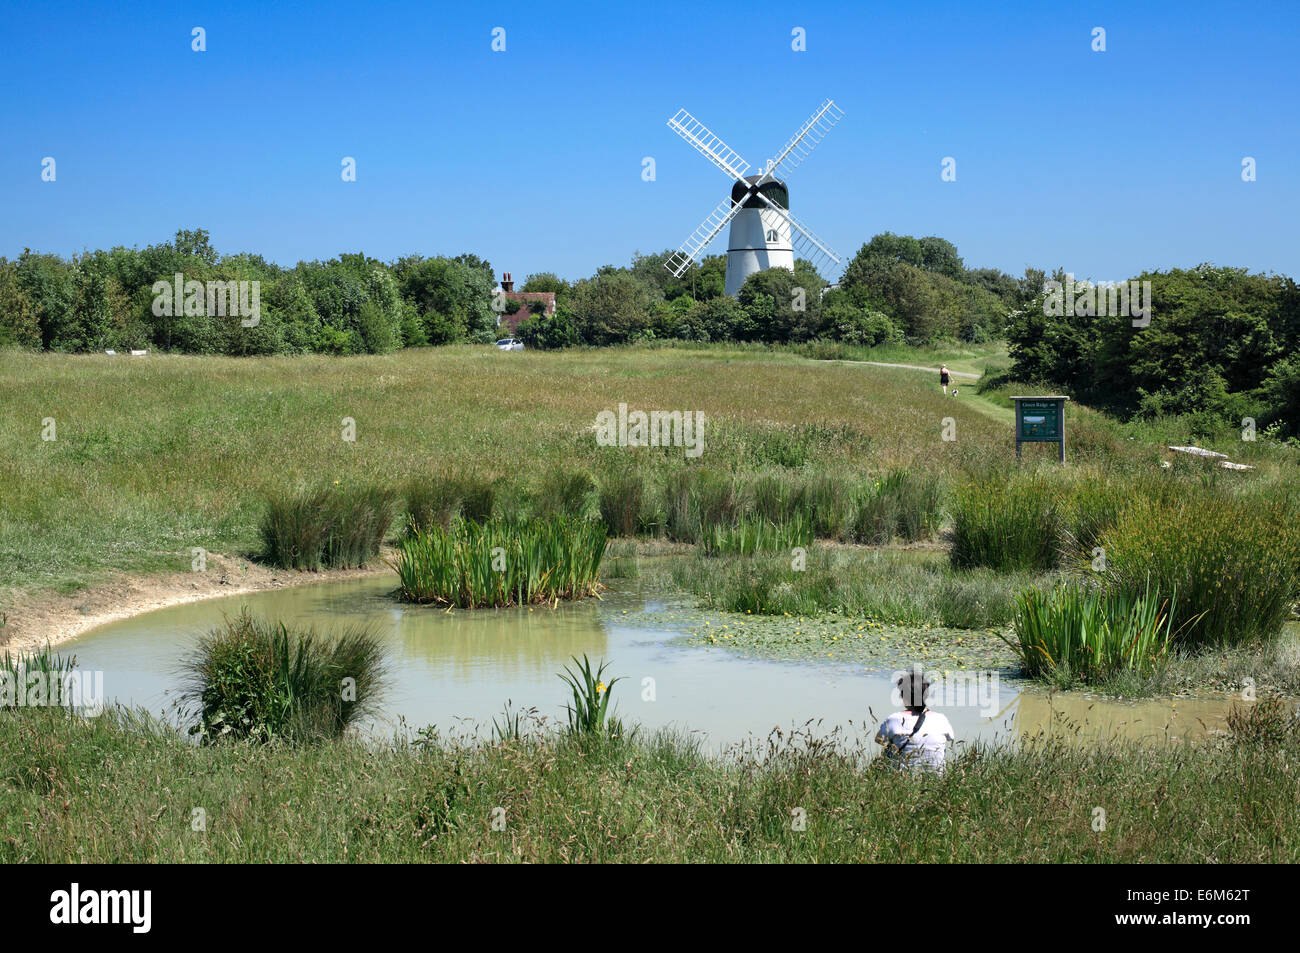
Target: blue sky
1103, 163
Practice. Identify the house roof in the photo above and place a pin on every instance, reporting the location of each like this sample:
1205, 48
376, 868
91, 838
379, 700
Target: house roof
512, 321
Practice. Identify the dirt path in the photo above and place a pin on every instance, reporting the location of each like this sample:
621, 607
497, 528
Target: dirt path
43, 619
909, 367
981, 404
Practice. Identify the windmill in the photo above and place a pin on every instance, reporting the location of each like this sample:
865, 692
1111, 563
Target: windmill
758, 208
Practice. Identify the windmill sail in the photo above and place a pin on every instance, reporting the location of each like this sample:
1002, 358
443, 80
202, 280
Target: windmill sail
709, 145
761, 237
809, 245
805, 140
699, 239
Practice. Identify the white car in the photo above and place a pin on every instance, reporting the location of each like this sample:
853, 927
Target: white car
510, 344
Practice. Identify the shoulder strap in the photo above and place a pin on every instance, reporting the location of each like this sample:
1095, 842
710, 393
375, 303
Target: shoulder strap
915, 728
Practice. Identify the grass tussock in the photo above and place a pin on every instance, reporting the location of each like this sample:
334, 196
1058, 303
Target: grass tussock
440, 499
1011, 524
335, 527
254, 680
1230, 565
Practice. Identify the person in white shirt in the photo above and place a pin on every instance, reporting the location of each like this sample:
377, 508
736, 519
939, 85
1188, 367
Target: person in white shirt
915, 737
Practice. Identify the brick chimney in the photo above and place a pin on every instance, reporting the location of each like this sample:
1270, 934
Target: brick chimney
506, 284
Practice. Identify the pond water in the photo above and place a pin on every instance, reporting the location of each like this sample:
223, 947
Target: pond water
456, 670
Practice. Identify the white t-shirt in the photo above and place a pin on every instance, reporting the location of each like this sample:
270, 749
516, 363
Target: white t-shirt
926, 748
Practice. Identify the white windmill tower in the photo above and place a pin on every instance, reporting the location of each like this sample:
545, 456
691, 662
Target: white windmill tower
758, 208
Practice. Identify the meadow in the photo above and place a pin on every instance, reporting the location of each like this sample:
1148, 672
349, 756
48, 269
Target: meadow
439, 455
827, 512
158, 454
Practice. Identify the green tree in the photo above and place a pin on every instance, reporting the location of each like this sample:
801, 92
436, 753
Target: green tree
612, 308
19, 325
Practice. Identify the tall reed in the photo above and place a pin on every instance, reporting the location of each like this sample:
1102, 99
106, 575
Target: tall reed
1233, 566
501, 562
750, 536
1086, 633
52, 668
1006, 523
437, 500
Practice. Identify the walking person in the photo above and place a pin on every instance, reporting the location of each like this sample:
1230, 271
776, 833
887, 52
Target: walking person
915, 737
943, 377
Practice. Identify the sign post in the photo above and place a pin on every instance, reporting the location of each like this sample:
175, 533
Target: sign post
1040, 420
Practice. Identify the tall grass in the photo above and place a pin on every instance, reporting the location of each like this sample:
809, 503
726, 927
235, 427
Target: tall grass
329, 528
888, 589
254, 680
1232, 566
1008, 523
80, 791
568, 493
903, 505
696, 499
501, 562
622, 499
751, 536
1086, 633
439, 499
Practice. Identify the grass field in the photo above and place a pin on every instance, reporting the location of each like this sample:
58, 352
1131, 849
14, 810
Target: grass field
562, 798
155, 456
159, 454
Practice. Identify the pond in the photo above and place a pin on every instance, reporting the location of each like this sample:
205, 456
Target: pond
456, 670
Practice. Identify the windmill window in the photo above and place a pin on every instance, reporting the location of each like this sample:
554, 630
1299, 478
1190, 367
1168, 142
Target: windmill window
771, 235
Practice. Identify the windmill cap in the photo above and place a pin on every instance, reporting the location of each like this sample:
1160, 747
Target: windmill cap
774, 189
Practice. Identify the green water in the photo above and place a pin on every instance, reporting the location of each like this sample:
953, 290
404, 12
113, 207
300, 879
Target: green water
456, 670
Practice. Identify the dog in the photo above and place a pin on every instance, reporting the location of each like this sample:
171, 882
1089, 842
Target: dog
954, 392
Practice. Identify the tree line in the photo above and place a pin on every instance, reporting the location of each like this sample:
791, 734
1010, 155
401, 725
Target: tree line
1220, 347
352, 304
897, 288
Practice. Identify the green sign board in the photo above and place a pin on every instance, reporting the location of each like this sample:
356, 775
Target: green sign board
1040, 420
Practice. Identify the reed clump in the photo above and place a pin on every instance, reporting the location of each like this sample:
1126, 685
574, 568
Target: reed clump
1231, 565
501, 562
1008, 523
439, 499
1088, 633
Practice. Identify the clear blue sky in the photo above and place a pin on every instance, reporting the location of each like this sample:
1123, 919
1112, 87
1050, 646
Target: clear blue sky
1103, 163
